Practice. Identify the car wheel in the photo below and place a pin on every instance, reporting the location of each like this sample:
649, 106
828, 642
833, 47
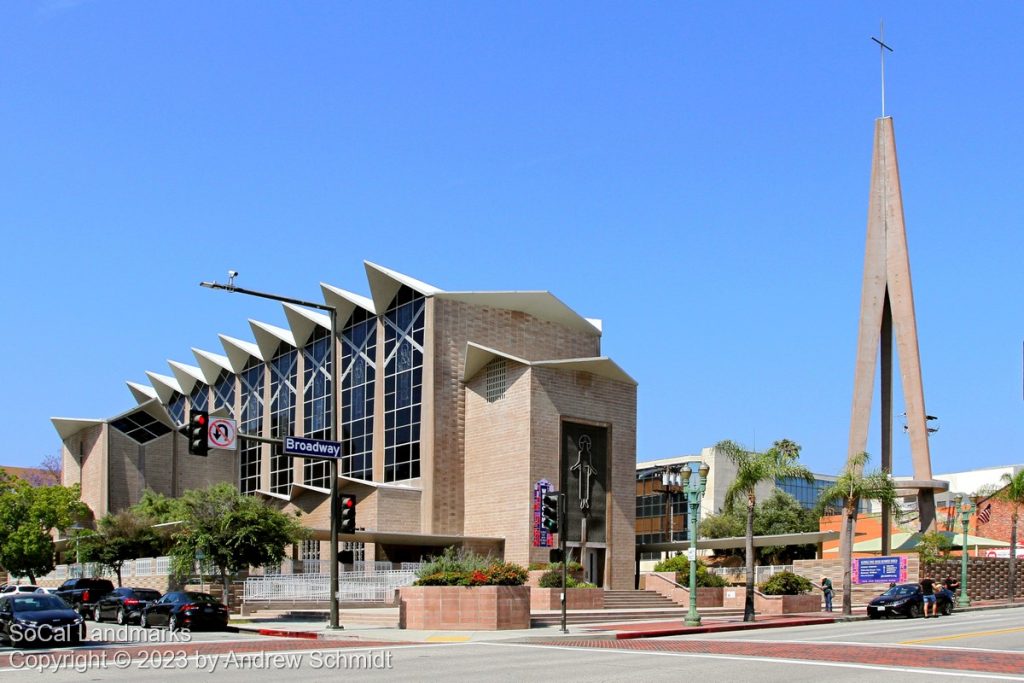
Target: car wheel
96, 613
874, 615
172, 623
914, 612
122, 617
143, 621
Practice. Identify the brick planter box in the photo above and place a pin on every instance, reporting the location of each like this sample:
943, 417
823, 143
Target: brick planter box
787, 604
464, 608
575, 598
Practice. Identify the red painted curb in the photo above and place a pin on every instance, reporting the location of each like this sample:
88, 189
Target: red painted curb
717, 628
309, 635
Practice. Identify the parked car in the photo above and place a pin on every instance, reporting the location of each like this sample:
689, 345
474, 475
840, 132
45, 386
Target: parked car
83, 593
124, 605
180, 609
39, 619
24, 588
906, 599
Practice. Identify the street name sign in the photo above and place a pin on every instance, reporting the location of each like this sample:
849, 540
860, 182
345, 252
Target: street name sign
317, 448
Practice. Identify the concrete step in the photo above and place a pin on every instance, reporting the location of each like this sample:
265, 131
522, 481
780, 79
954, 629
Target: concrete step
636, 599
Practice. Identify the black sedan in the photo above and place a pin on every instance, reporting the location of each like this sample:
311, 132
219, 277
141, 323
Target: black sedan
182, 609
907, 600
39, 619
124, 605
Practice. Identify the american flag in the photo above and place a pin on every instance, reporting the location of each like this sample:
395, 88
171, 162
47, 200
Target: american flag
985, 514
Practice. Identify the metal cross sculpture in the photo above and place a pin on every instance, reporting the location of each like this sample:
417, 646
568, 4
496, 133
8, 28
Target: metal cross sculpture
586, 471
882, 47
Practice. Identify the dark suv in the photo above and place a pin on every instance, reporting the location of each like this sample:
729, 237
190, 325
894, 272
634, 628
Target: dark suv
82, 594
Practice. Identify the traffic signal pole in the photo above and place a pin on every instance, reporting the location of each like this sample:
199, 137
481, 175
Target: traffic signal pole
335, 416
563, 513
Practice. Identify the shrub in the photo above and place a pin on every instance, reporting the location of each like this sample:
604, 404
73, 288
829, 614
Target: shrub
553, 579
681, 566
785, 583
506, 574
454, 559
461, 567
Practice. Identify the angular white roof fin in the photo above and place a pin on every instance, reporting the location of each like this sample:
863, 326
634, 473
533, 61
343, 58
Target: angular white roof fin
141, 392
385, 283
239, 352
187, 375
304, 321
211, 364
166, 387
269, 337
345, 302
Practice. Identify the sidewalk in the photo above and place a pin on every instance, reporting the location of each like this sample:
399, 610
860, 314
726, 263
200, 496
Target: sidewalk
317, 629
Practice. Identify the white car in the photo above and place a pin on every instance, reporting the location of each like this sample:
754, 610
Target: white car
26, 588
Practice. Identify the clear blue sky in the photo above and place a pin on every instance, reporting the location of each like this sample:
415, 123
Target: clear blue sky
695, 174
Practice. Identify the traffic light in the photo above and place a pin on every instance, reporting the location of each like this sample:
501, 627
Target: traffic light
346, 514
198, 432
549, 511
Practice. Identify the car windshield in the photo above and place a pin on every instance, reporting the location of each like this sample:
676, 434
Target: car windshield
900, 591
38, 601
147, 595
202, 598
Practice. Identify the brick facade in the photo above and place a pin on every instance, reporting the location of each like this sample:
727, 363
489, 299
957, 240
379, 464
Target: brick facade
478, 459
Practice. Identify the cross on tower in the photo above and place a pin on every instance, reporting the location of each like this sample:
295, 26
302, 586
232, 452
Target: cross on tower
882, 47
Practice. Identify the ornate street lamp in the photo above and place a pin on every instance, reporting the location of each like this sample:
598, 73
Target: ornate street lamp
698, 481
965, 510
671, 483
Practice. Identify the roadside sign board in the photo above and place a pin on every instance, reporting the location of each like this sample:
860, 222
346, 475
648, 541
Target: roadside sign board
879, 569
222, 433
311, 448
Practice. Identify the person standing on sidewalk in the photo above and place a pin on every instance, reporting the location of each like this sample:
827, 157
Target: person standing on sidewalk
928, 593
826, 589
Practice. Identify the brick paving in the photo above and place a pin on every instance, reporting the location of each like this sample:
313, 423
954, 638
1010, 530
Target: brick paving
882, 655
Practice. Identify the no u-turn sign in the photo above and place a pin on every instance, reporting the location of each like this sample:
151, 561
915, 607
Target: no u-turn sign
223, 434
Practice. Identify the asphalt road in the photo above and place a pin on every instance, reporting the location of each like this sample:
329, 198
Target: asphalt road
971, 646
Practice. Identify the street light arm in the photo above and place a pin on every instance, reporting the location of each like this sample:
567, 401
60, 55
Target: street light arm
266, 295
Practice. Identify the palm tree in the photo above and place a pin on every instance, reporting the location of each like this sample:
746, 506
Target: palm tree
851, 487
752, 469
1012, 493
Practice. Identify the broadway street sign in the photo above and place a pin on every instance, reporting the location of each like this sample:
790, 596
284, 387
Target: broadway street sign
294, 445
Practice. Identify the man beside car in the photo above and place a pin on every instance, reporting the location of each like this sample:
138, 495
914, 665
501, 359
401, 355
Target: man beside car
928, 594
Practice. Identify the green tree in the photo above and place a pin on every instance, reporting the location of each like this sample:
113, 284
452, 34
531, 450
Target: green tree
933, 546
28, 516
725, 524
158, 507
783, 514
851, 487
1012, 493
231, 532
121, 536
753, 469
780, 514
